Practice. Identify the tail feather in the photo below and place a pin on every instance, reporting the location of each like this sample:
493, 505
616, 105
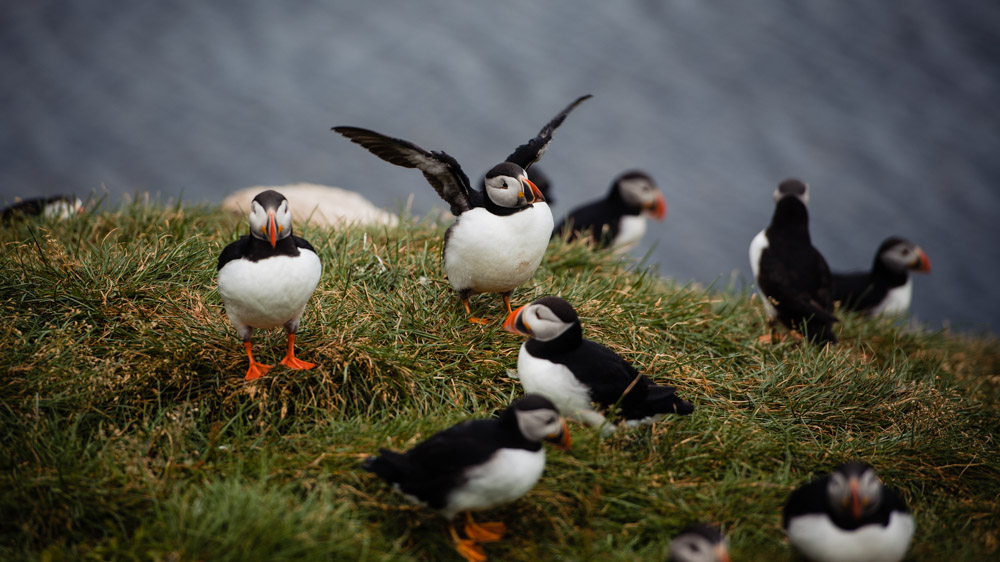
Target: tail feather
820, 330
388, 465
664, 400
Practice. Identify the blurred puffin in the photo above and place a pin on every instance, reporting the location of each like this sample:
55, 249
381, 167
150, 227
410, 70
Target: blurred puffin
500, 234
887, 288
267, 277
699, 542
476, 465
848, 516
792, 277
573, 372
51, 207
619, 220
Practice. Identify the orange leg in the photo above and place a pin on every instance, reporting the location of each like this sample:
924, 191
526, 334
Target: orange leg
256, 369
506, 303
468, 548
468, 311
290, 361
483, 532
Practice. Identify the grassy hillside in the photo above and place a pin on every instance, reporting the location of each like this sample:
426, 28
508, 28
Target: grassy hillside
129, 433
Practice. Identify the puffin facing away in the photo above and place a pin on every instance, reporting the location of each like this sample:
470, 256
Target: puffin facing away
500, 234
699, 542
52, 207
619, 220
476, 465
848, 516
575, 373
267, 277
887, 288
792, 277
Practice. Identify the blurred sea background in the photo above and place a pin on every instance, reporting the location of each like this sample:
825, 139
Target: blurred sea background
889, 110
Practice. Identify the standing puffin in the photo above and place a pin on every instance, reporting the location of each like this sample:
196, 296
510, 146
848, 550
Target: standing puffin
267, 277
887, 288
500, 234
619, 220
51, 207
848, 516
699, 542
574, 373
476, 465
792, 277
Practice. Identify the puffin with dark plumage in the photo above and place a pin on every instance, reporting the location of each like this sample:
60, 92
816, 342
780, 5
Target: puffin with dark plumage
476, 465
887, 288
848, 516
50, 207
500, 234
619, 220
576, 373
792, 277
699, 542
267, 277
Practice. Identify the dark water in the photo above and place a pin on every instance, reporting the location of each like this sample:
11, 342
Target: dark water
890, 110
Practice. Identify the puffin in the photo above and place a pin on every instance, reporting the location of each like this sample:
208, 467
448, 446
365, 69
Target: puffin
576, 373
541, 181
501, 232
792, 277
699, 542
266, 278
476, 465
848, 516
618, 221
50, 207
887, 288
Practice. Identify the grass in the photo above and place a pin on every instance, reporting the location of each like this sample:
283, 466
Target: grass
129, 434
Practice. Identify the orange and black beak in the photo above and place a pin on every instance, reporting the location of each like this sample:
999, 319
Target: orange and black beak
658, 209
855, 498
536, 193
722, 553
561, 439
515, 325
272, 229
923, 263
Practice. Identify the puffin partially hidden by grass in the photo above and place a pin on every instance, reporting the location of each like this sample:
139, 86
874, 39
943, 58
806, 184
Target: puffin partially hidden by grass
51, 207
699, 542
576, 373
267, 277
619, 220
887, 288
476, 465
848, 516
500, 234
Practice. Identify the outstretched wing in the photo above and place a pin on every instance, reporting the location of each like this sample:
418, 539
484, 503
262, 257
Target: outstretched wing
529, 153
442, 171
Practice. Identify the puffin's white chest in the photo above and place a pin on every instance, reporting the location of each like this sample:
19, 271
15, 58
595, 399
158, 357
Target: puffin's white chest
268, 292
820, 540
506, 476
897, 300
553, 381
631, 228
493, 254
757, 247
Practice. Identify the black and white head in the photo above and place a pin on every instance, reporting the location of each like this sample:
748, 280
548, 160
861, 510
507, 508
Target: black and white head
62, 207
854, 490
639, 191
507, 185
270, 217
544, 319
794, 188
699, 543
538, 420
900, 255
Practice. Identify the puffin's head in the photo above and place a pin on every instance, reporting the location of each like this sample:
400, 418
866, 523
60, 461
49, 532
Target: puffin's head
792, 187
854, 490
900, 255
270, 217
538, 420
507, 185
544, 319
639, 192
699, 543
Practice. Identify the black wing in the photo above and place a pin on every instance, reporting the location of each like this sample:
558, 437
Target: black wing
529, 153
857, 291
806, 499
234, 251
605, 373
442, 171
590, 218
800, 287
302, 243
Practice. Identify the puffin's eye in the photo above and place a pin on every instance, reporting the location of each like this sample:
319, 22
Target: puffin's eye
906, 252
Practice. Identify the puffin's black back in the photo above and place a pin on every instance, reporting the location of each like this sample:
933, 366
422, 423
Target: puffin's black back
602, 218
34, 206
863, 290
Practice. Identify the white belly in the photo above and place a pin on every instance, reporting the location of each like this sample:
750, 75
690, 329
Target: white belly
269, 292
630, 232
493, 254
757, 247
506, 476
557, 383
897, 300
822, 541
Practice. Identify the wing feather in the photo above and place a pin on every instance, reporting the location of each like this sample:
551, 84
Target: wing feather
530, 152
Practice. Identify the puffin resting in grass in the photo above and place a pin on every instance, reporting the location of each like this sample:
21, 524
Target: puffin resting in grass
267, 277
476, 465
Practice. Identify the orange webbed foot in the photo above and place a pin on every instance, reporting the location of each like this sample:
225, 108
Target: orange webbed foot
477, 320
256, 371
485, 532
292, 362
468, 548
